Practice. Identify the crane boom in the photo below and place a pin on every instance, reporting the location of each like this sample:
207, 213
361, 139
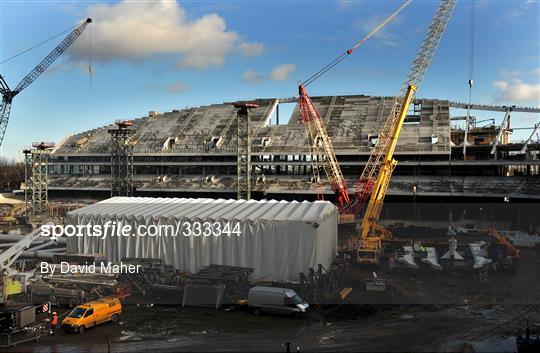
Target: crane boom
513, 250
317, 133
378, 171
414, 78
8, 258
8, 94
322, 146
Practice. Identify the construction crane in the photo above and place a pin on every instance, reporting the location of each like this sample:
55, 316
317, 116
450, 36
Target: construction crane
319, 140
513, 251
322, 146
8, 94
376, 175
10, 283
503, 260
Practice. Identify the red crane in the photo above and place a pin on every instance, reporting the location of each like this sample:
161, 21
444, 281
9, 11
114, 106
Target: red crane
320, 142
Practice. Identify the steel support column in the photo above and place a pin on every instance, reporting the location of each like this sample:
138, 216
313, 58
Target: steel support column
243, 144
121, 160
36, 178
27, 182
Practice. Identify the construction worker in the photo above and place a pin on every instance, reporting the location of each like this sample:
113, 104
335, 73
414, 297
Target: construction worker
54, 322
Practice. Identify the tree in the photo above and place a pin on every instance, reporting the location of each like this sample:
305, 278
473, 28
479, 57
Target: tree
11, 174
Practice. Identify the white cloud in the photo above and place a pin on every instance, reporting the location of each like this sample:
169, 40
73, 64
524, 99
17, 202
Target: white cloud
343, 4
517, 91
252, 76
282, 72
278, 73
507, 74
176, 88
251, 49
383, 36
136, 30
536, 72
520, 9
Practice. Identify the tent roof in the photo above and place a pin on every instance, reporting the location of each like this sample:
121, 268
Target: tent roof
205, 208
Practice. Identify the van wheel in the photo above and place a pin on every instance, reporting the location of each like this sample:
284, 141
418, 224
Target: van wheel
81, 330
114, 318
257, 311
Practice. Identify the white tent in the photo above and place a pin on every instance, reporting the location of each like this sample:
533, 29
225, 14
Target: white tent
278, 239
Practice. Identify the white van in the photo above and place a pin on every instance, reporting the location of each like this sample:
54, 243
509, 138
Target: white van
276, 301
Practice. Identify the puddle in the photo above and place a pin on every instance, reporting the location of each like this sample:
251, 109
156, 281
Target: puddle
129, 336
326, 339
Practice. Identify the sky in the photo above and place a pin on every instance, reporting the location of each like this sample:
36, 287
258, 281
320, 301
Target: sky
164, 55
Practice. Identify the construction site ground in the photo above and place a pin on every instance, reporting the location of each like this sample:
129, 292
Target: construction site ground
407, 328
419, 311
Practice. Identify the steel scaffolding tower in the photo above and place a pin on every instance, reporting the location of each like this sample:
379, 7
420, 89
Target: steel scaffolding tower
121, 159
243, 143
28, 182
36, 171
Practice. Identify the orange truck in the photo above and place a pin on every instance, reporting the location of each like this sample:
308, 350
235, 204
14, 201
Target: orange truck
92, 313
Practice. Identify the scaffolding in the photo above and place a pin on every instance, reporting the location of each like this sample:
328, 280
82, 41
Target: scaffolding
36, 177
322, 286
121, 159
243, 143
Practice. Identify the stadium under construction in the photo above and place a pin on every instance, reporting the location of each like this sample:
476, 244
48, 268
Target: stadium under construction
323, 223
192, 152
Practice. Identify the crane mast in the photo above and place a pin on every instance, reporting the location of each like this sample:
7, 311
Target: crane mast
376, 175
8, 94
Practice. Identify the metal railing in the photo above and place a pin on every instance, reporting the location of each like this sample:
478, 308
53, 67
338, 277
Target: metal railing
31, 333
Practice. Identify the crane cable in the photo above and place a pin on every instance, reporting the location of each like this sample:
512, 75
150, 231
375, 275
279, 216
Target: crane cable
356, 46
90, 67
471, 41
37, 45
471, 71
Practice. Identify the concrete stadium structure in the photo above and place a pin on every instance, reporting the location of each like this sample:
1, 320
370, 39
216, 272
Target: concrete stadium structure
192, 152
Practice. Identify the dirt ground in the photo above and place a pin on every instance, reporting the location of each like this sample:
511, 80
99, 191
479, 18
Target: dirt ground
397, 330
421, 312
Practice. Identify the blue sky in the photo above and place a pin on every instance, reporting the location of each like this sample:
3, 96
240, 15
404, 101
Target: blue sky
165, 55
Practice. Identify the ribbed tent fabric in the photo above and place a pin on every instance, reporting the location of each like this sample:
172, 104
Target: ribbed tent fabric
278, 239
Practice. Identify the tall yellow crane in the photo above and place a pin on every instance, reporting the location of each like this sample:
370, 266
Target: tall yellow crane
376, 175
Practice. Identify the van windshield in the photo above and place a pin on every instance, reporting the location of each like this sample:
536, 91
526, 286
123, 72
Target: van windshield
296, 300
77, 313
